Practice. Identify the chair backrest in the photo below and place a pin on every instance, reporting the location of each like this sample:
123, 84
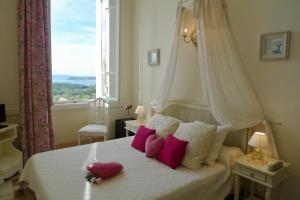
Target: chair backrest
98, 111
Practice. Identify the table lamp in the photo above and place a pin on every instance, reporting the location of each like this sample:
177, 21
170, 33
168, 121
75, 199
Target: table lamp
259, 141
140, 111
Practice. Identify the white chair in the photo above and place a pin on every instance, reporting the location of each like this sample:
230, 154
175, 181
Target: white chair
98, 125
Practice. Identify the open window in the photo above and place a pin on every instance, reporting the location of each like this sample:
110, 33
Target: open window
85, 50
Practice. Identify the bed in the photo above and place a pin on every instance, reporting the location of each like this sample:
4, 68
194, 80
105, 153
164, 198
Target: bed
58, 175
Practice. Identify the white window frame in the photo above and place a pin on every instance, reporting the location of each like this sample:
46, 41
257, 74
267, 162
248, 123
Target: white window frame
99, 73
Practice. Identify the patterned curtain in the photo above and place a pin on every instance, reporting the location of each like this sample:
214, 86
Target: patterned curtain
35, 76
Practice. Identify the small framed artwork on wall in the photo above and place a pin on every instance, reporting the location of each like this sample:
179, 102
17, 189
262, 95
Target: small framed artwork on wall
275, 46
153, 57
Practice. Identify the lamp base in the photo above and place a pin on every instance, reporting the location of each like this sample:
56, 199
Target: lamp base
257, 157
140, 118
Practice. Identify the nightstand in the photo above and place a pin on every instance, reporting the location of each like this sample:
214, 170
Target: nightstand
132, 126
246, 168
120, 127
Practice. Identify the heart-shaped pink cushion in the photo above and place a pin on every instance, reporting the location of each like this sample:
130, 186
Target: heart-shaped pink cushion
104, 170
153, 145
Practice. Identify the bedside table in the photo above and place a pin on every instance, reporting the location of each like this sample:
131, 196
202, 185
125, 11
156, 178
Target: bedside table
132, 126
246, 168
120, 130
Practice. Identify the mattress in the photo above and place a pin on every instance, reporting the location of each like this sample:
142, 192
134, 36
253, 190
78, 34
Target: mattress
57, 175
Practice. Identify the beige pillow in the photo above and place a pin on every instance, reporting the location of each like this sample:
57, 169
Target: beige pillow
227, 155
163, 124
200, 136
216, 146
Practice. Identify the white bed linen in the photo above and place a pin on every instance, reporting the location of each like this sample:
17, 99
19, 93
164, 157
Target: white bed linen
57, 175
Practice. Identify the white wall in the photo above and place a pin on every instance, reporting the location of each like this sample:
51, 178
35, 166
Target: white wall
66, 123
154, 24
9, 91
276, 82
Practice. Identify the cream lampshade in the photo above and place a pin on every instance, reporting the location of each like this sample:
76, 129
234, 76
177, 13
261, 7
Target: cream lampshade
258, 140
140, 111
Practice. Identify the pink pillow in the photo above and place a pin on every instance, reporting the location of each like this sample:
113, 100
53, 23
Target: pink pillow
153, 145
141, 137
172, 152
104, 170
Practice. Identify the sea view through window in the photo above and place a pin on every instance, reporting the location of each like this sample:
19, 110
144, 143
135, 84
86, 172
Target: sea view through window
73, 37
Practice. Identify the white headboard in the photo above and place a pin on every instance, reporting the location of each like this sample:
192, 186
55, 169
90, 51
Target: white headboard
190, 111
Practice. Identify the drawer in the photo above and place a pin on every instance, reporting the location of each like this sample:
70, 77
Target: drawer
253, 174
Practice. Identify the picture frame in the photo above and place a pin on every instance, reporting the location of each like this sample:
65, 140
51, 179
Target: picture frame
154, 57
275, 46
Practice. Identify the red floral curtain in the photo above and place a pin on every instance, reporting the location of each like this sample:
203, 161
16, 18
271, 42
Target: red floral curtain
35, 76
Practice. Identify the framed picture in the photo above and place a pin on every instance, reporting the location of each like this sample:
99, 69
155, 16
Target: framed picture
153, 57
275, 46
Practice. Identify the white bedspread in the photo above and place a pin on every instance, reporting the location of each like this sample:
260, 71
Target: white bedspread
57, 175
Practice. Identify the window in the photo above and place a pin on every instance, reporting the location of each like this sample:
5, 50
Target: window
85, 49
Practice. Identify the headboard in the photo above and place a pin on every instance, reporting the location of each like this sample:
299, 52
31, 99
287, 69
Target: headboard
190, 111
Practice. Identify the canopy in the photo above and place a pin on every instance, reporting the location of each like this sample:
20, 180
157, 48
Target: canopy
230, 96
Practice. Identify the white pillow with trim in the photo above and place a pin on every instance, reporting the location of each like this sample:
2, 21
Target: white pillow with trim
200, 136
163, 124
216, 146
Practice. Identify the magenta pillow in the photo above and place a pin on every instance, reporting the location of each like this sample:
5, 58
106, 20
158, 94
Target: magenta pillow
172, 152
104, 170
153, 145
140, 138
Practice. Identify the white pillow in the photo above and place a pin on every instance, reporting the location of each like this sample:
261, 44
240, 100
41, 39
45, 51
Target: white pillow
200, 137
214, 151
163, 124
229, 154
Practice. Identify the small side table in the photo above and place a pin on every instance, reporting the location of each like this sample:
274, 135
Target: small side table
120, 125
132, 126
246, 168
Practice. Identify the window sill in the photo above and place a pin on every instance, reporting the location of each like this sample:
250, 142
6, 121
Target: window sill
70, 106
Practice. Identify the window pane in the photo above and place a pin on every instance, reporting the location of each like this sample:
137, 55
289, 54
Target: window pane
73, 29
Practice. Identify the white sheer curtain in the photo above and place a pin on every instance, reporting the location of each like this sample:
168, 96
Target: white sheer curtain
229, 93
159, 103
230, 96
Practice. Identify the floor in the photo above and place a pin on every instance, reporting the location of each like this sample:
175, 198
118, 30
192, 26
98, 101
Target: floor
10, 190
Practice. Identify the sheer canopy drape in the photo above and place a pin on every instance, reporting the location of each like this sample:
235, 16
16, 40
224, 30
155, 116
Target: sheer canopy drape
165, 90
229, 94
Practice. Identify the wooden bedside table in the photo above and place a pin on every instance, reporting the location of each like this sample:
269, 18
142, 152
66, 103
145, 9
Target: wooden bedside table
246, 168
132, 126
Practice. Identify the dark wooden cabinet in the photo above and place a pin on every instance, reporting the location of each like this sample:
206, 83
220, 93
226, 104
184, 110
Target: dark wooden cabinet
120, 124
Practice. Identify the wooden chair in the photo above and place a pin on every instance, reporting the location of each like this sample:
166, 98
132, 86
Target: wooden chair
98, 121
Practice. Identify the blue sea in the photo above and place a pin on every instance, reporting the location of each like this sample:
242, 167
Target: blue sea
82, 80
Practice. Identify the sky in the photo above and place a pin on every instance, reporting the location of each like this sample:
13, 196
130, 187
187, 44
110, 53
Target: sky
73, 36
